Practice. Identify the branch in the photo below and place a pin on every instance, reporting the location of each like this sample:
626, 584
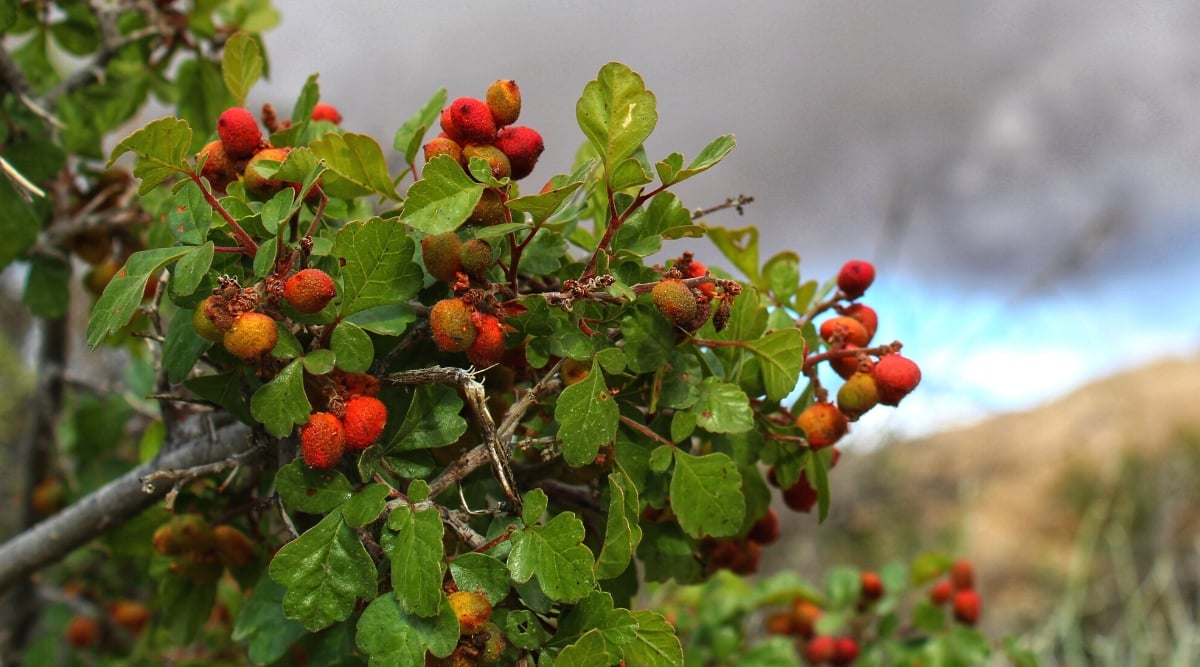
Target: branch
111, 505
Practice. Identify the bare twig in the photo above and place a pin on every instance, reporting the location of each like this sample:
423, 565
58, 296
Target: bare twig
731, 202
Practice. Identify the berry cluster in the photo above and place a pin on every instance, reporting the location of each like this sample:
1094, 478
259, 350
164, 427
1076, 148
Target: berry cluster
800, 621
958, 588
200, 551
687, 294
741, 555
352, 425
472, 127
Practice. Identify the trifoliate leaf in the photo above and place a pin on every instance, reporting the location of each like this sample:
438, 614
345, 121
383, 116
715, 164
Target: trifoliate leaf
378, 267
417, 560
326, 570
555, 553
443, 199
161, 148
281, 403
706, 494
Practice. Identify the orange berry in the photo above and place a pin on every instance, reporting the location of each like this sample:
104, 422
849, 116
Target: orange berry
865, 314
823, 424
83, 631
363, 422
453, 330
218, 167
472, 609
675, 301
130, 614
251, 335
324, 111
843, 329
443, 145
488, 346
322, 441
309, 290
257, 184
896, 376
497, 161
233, 547
204, 325
503, 99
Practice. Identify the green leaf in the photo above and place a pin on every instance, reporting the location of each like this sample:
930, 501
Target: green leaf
623, 531
417, 560
666, 553
326, 570
541, 206
587, 415
190, 216
320, 362
589, 651
182, 347
739, 246
533, 506
390, 320
18, 224
722, 407
47, 289
277, 210
671, 171
706, 494
377, 265
352, 347
555, 553
595, 612
118, 304
191, 270
480, 572
281, 403
366, 505
241, 65
303, 489
393, 637
433, 419
160, 148
782, 358
773, 652
409, 136
261, 621
655, 644
616, 113
356, 166
306, 101
443, 199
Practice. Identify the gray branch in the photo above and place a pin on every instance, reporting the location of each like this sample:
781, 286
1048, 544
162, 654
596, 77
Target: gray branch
111, 505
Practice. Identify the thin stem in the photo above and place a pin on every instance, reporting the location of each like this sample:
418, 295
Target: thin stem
249, 247
645, 430
879, 350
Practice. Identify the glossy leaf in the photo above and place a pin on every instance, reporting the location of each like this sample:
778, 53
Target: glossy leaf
392, 636
480, 572
417, 560
781, 358
671, 170
433, 419
409, 137
242, 65
326, 570
356, 166
261, 621
378, 267
622, 531
616, 113
555, 553
443, 199
118, 304
352, 347
281, 403
655, 644
303, 489
722, 407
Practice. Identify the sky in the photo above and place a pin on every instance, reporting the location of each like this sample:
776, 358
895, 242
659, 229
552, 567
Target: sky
1023, 175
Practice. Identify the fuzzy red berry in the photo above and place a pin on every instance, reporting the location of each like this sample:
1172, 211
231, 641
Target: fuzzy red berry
323, 111
443, 145
962, 574
523, 146
823, 424
896, 377
801, 496
218, 166
966, 606
363, 422
472, 119
855, 277
488, 346
322, 441
820, 650
239, 132
309, 290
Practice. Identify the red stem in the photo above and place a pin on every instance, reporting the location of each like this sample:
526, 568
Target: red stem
249, 247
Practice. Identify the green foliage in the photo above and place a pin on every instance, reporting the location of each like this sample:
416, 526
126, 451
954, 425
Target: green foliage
591, 446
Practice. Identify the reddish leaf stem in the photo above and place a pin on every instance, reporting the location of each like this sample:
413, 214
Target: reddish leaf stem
249, 247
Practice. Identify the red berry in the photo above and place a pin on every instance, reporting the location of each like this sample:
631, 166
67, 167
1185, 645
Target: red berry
473, 120
364, 421
801, 496
962, 574
239, 132
855, 277
819, 650
83, 631
766, 529
323, 111
872, 586
845, 651
895, 376
450, 322
523, 145
865, 315
941, 592
309, 290
322, 441
844, 330
966, 606
849, 365
488, 346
